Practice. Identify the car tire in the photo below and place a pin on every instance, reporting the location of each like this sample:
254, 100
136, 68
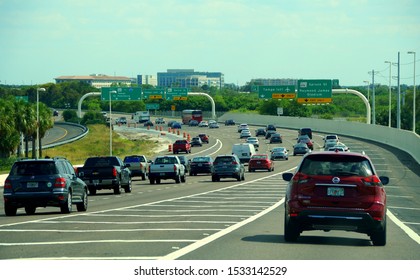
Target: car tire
30, 210
291, 229
178, 179
82, 206
117, 188
66, 207
92, 191
378, 237
152, 181
183, 178
10, 210
143, 176
127, 188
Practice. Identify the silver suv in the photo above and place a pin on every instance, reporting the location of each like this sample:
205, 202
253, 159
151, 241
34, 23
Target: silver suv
36, 183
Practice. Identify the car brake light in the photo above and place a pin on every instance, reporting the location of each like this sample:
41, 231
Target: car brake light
7, 184
371, 181
114, 172
60, 183
234, 163
300, 178
174, 168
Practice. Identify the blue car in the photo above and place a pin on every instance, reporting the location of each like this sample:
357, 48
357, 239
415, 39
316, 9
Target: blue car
176, 125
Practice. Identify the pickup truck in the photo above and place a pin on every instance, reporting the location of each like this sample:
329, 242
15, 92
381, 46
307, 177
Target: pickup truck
181, 146
166, 167
101, 173
138, 165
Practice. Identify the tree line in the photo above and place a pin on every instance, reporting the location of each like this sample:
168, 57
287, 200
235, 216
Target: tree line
18, 118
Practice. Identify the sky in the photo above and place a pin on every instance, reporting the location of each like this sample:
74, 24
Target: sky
297, 39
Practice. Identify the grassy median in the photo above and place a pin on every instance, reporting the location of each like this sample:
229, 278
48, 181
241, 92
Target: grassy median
96, 143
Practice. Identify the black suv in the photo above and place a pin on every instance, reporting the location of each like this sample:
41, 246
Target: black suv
229, 122
305, 131
227, 166
36, 183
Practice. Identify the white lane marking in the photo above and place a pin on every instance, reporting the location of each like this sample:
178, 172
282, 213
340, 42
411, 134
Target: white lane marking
194, 246
405, 228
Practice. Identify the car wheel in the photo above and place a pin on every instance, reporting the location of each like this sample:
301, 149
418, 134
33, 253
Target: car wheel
10, 210
213, 178
66, 207
127, 188
178, 179
143, 176
117, 188
30, 210
183, 178
92, 191
152, 181
158, 181
82, 207
379, 237
291, 229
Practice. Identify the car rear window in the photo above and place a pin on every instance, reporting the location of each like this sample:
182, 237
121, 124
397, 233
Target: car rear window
33, 168
336, 166
133, 159
224, 160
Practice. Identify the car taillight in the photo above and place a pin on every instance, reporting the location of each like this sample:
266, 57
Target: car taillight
300, 178
60, 183
114, 172
371, 181
174, 168
7, 184
235, 163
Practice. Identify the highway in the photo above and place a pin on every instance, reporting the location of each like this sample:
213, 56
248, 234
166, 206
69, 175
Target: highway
227, 220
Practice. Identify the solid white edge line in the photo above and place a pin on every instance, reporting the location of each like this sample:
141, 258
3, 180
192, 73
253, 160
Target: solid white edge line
405, 228
219, 234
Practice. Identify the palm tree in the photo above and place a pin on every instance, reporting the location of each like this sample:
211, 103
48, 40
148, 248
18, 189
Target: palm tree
9, 135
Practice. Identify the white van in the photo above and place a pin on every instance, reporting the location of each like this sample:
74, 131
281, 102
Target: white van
244, 151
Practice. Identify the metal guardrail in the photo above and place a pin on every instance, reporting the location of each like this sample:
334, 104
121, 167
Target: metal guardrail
85, 131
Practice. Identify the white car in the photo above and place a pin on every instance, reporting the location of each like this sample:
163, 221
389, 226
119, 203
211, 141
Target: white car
213, 125
245, 133
254, 141
242, 126
203, 124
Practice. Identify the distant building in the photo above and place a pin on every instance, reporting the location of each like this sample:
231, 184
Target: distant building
147, 80
189, 78
96, 80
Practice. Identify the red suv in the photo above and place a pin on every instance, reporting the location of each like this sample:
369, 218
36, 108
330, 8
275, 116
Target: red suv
336, 191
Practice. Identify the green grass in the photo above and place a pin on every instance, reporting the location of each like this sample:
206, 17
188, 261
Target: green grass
96, 143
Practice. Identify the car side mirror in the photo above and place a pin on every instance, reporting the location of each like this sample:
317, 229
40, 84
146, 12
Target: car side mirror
384, 180
127, 165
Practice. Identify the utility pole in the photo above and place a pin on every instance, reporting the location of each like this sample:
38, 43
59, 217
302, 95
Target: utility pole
373, 97
398, 96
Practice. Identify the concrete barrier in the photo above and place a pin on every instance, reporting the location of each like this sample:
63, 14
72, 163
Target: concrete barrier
404, 140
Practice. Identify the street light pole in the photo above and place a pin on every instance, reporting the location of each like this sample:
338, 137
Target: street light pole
110, 123
37, 122
414, 92
368, 86
389, 96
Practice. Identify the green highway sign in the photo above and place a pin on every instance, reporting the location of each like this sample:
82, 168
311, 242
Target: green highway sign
277, 92
152, 106
121, 93
176, 94
314, 91
153, 93
24, 98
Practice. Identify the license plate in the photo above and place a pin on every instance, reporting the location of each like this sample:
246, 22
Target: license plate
32, 185
200, 164
258, 162
334, 191
162, 174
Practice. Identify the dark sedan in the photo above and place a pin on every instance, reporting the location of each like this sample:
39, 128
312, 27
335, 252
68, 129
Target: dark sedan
301, 149
201, 164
